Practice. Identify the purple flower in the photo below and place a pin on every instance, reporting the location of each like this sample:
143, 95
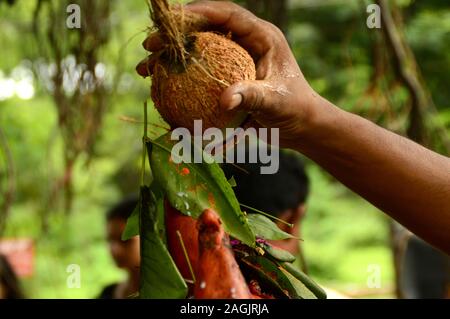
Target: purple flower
260, 240
235, 242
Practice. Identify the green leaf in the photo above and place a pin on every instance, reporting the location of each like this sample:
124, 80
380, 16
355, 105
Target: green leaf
132, 227
300, 289
263, 227
160, 211
192, 188
278, 253
308, 282
160, 278
267, 273
271, 273
232, 182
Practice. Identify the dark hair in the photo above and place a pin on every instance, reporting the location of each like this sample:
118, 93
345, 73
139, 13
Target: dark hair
272, 193
123, 209
9, 281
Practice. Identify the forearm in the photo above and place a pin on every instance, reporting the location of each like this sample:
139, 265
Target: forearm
407, 181
402, 178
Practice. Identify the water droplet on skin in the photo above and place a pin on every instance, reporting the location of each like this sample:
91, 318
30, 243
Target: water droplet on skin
233, 292
202, 285
286, 71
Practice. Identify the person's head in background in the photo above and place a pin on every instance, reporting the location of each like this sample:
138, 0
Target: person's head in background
9, 283
282, 194
125, 253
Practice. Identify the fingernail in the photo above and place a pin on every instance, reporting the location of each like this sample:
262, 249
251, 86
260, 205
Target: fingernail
236, 100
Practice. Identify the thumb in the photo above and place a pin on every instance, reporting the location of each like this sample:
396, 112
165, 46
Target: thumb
251, 96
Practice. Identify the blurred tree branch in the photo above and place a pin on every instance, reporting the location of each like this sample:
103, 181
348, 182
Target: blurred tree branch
274, 11
78, 92
407, 70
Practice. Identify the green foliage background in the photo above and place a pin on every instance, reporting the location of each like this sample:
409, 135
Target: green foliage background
342, 233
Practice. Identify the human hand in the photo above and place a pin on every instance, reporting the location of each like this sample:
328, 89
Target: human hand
280, 97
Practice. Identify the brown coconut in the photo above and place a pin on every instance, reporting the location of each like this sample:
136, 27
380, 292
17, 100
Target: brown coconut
192, 72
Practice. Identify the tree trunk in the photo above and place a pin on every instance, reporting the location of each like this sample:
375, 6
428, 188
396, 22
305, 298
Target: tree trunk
274, 11
406, 69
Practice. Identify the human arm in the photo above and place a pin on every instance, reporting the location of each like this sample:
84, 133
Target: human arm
402, 178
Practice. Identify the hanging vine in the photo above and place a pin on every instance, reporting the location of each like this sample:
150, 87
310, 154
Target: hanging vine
77, 85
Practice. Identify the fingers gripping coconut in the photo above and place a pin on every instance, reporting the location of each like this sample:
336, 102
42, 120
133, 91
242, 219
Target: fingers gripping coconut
192, 70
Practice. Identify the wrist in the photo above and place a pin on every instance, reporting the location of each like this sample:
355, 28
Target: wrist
320, 120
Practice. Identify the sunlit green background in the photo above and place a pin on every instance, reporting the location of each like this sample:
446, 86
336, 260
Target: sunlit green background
342, 233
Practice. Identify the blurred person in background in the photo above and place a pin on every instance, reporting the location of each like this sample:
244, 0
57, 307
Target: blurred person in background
9, 283
283, 195
424, 272
126, 254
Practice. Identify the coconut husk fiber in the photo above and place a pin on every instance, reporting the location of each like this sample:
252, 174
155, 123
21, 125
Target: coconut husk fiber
193, 69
